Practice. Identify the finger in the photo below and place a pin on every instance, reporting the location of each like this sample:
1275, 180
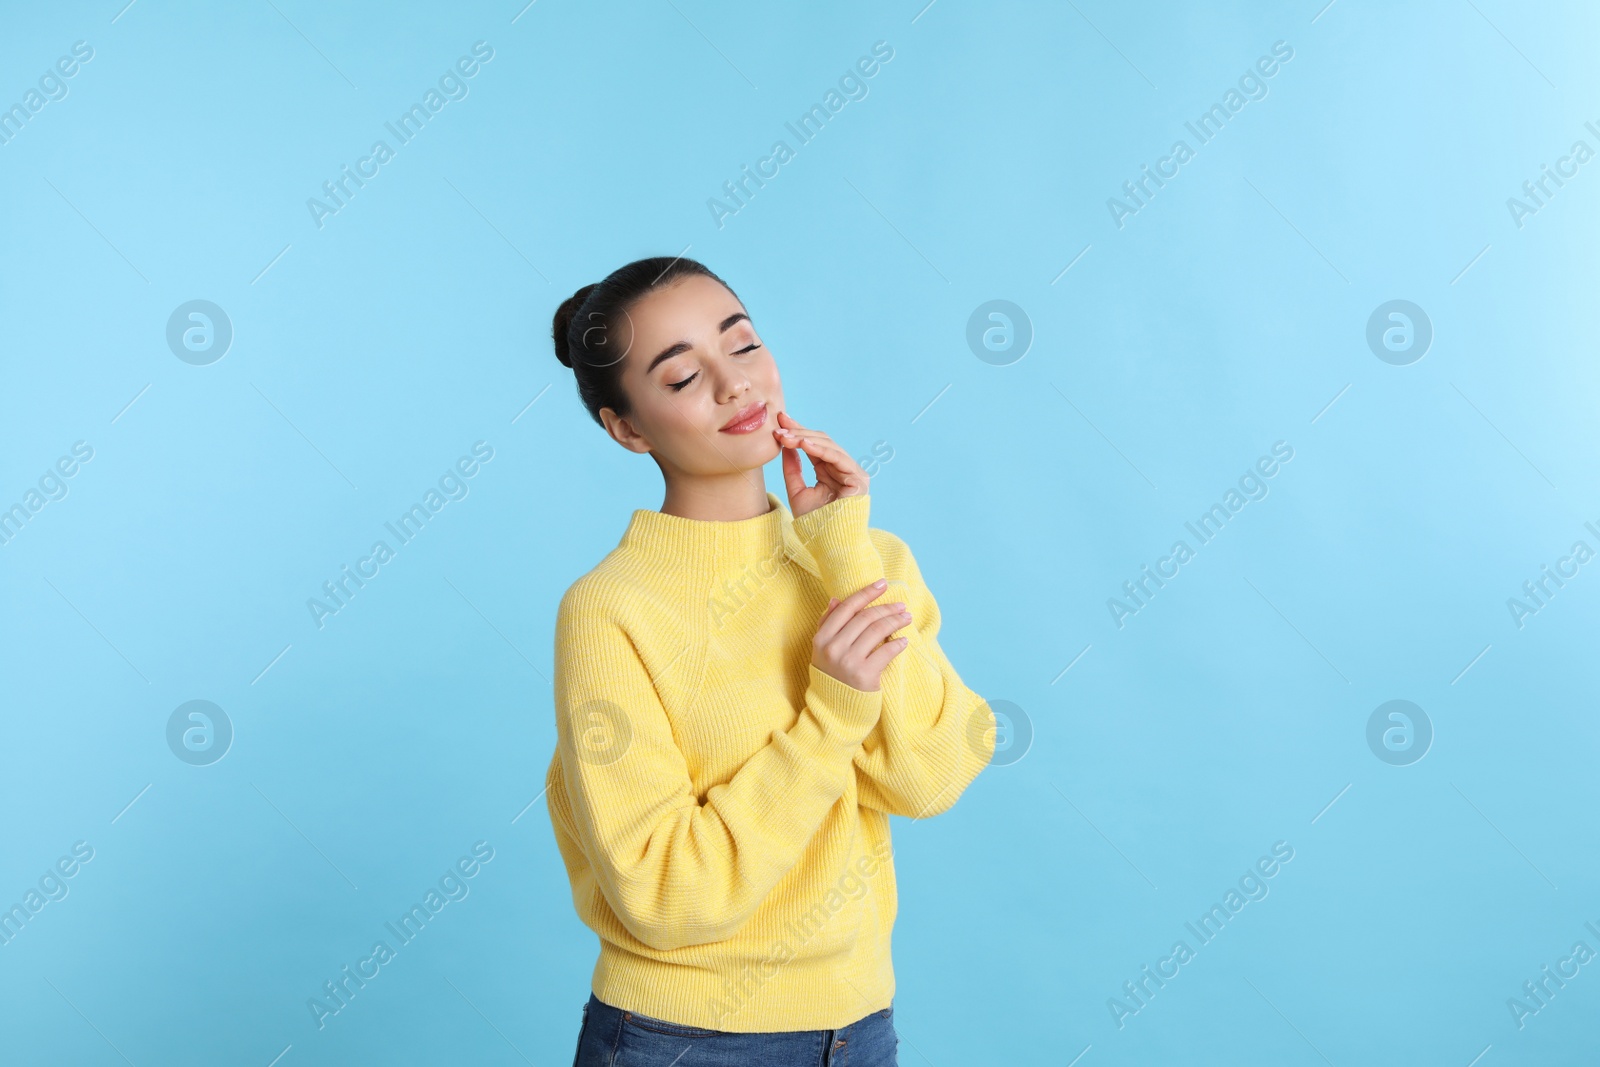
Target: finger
789, 424
894, 616
828, 484
869, 630
794, 479
845, 610
787, 420
872, 613
852, 629
789, 435
818, 446
879, 660
834, 466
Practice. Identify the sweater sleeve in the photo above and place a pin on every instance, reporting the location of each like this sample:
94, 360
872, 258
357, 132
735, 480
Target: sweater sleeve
674, 870
934, 734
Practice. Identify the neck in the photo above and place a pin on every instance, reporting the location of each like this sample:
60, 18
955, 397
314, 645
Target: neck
722, 498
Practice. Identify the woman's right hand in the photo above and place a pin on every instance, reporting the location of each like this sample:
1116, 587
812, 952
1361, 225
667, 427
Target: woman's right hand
850, 645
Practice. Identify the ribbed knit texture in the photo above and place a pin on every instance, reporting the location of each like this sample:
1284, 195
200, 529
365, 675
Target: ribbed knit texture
720, 804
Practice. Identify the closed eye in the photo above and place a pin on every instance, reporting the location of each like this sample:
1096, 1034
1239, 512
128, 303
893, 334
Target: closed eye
675, 386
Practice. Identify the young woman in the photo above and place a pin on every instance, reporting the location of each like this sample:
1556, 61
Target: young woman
743, 696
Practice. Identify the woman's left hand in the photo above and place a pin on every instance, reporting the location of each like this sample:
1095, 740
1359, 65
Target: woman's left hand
837, 474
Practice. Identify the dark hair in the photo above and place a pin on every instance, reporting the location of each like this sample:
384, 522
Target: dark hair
584, 322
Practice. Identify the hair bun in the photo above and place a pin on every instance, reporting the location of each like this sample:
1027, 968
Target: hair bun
560, 328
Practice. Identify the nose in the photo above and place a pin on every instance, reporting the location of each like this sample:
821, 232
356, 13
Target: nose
732, 381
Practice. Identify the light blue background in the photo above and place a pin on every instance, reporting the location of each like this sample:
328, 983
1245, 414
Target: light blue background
1228, 314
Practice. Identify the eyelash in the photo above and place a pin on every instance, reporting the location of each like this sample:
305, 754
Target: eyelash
675, 386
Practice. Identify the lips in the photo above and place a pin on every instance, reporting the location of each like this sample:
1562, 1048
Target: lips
748, 419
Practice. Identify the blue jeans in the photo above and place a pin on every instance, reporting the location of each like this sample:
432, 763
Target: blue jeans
611, 1037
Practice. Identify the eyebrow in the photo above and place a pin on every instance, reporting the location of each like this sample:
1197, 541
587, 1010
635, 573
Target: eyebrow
684, 346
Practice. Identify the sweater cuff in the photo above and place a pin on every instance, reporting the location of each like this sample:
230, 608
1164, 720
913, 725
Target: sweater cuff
846, 714
836, 535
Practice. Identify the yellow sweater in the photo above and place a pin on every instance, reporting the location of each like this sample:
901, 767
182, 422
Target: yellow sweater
720, 804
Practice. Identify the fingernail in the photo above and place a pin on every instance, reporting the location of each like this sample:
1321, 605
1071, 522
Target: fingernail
880, 583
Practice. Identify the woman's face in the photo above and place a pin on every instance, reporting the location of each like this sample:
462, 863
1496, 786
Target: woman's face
693, 364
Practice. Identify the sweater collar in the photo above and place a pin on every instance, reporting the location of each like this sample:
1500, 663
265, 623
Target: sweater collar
724, 544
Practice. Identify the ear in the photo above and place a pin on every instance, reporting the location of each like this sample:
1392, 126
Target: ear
623, 432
